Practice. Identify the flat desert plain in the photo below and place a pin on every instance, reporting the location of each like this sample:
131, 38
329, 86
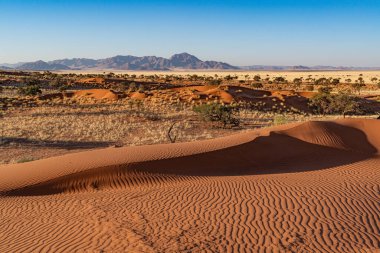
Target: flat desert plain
367, 75
303, 187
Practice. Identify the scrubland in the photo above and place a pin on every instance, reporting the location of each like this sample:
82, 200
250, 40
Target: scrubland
142, 108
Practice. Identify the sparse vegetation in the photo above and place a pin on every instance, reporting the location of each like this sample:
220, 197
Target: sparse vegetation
148, 105
25, 160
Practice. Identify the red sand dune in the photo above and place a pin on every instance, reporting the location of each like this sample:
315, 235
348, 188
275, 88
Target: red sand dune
138, 95
96, 94
207, 91
307, 187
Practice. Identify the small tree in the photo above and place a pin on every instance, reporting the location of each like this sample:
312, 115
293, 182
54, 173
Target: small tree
279, 79
297, 81
257, 78
171, 138
357, 86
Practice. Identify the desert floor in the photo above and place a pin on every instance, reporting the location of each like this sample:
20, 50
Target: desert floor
303, 187
289, 75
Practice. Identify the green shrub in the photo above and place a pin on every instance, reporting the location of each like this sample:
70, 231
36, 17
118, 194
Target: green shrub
225, 114
215, 82
342, 103
280, 120
257, 85
30, 90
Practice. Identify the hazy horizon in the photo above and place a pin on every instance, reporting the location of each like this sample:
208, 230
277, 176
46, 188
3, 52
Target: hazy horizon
241, 33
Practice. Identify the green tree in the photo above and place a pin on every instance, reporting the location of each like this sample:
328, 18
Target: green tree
257, 78
279, 79
357, 86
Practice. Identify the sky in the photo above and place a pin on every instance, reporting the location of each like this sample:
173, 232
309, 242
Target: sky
240, 32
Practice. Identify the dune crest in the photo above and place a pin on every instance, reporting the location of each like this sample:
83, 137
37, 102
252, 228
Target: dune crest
280, 150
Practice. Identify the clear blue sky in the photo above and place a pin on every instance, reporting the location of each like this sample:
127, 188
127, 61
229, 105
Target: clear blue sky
240, 32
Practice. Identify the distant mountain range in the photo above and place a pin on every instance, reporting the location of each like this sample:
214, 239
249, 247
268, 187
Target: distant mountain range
177, 61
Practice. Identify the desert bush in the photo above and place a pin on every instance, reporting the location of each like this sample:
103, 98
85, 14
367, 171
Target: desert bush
322, 81
30, 81
132, 87
297, 81
57, 82
63, 87
280, 120
279, 79
257, 85
335, 81
30, 90
324, 90
342, 103
225, 114
257, 78
215, 82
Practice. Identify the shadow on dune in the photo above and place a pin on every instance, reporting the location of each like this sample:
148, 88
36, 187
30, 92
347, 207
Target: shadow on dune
300, 149
276, 153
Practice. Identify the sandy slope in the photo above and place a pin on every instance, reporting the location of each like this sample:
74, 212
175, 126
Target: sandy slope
309, 187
